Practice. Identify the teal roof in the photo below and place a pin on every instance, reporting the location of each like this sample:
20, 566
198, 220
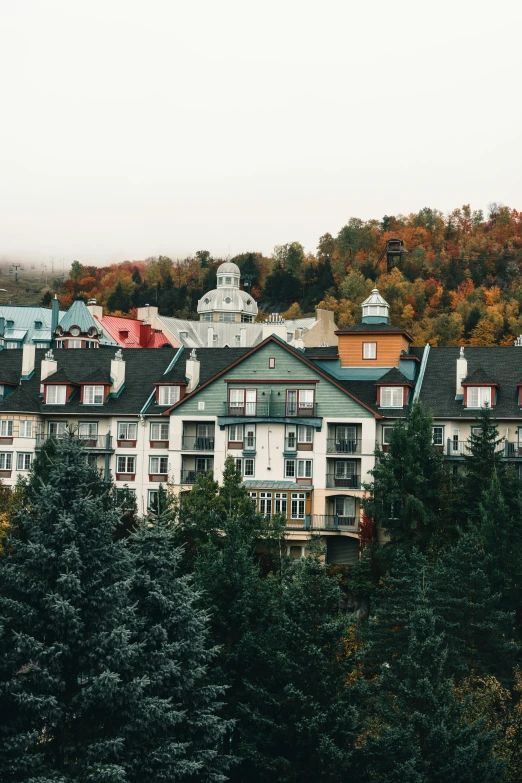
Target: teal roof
78, 315
24, 319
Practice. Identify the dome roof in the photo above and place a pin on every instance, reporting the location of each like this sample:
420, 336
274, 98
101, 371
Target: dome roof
375, 299
227, 300
228, 268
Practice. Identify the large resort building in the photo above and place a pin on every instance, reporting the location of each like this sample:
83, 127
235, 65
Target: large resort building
301, 422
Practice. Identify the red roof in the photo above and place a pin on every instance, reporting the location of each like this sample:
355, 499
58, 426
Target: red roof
131, 333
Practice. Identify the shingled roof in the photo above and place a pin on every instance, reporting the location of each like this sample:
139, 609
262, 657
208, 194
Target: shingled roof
479, 376
393, 377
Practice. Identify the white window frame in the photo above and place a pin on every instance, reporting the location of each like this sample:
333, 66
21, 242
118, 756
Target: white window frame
392, 397
305, 433
12, 346
60, 427
126, 462
88, 430
305, 468
481, 395
241, 465
168, 395
126, 426
306, 399
6, 428
281, 503
386, 437
156, 463
25, 429
6, 460
265, 504
23, 460
93, 395
441, 428
298, 505
58, 392
159, 431
235, 429
369, 351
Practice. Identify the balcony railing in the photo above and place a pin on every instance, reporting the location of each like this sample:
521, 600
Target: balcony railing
342, 482
269, 410
459, 448
512, 449
190, 476
103, 443
340, 446
333, 522
193, 443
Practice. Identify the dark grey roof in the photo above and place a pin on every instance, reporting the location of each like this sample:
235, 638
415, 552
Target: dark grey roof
478, 376
393, 376
322, 350
371, 328
438, 391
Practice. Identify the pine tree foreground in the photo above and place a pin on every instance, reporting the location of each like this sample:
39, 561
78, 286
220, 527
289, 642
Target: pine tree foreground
103, 652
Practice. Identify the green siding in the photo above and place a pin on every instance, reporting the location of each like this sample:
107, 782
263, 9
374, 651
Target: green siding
330, 400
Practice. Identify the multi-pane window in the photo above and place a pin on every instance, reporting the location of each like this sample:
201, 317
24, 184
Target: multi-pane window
57, 428
93, 395
126, 464
153, 499
227, 317
299, 400
298, 468
386, 435
344, 506
305, 434
478, 396
243, 402
127, 430
297, 505
6, 460
91, 460
235, 433
42, 345
392, 397
245, 465
88, 430
74, 343
280, 503
23, 461
6, 428
271, 363
250, 437
12, 345
159, 431
369, 351
438, 436
168, 395
158, 465
56, 395
265, 503
206, 317
126, 497
25, 429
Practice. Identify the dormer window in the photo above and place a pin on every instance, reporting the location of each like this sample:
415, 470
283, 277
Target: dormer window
56, 395
93, 395
37, 324
478, 396
369, 351
168, 395
392, 397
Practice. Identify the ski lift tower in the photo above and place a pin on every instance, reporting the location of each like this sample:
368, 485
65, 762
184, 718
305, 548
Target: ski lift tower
14, 268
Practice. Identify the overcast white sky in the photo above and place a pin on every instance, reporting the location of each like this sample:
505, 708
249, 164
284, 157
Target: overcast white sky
130, 128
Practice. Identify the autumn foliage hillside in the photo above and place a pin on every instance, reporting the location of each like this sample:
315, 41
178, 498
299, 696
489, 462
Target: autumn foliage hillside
460, 282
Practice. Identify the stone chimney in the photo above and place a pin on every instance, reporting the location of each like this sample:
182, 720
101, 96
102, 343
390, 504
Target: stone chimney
192, 371
117, 372
95, 310
462, 372
48, 366
28, 355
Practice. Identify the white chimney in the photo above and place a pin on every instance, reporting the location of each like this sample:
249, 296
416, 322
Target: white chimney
243, 337
150, 314
462, 372
117, 372
210, 336
28, 354
192, 371
48, 366
95, 310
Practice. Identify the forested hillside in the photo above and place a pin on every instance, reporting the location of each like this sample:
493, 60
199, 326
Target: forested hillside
459, 283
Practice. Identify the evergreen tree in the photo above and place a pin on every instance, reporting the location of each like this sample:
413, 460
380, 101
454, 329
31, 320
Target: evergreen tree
477, 630
180, 729
409, 489
416, 732
119, 300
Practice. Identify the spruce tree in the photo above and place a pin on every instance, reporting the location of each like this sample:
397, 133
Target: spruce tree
408, 492
416, 732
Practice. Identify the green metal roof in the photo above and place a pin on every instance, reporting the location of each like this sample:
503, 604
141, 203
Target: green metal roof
24, 318
78, 315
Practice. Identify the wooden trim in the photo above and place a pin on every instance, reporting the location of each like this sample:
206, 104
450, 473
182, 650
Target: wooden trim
373, 331
263, 380
293, 352
482, 385
392, 385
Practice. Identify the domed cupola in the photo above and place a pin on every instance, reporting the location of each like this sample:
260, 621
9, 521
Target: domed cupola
375, 309
227, 302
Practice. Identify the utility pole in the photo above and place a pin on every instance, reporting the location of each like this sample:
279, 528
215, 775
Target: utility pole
15, 268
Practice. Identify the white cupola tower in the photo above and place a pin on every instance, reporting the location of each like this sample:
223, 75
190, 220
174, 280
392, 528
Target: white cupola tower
227, 302
375, 309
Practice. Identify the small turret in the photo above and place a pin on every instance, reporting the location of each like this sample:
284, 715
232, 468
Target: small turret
375, 309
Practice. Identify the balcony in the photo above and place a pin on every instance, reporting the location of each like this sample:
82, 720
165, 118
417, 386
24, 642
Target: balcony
193, 443
102, 445
338, 446
333, 522
190, 476
333, 481
461, 448
265, 410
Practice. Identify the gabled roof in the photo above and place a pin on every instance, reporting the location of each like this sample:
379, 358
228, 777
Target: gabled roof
479, 376
251, 351
78, 315
374, 329
393, 377
114, 325
60, 376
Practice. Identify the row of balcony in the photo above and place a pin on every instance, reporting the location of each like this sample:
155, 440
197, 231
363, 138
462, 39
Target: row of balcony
460, 448
333, 481
333, 445
270, 409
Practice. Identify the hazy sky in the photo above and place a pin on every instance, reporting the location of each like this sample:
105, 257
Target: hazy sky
130, 128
